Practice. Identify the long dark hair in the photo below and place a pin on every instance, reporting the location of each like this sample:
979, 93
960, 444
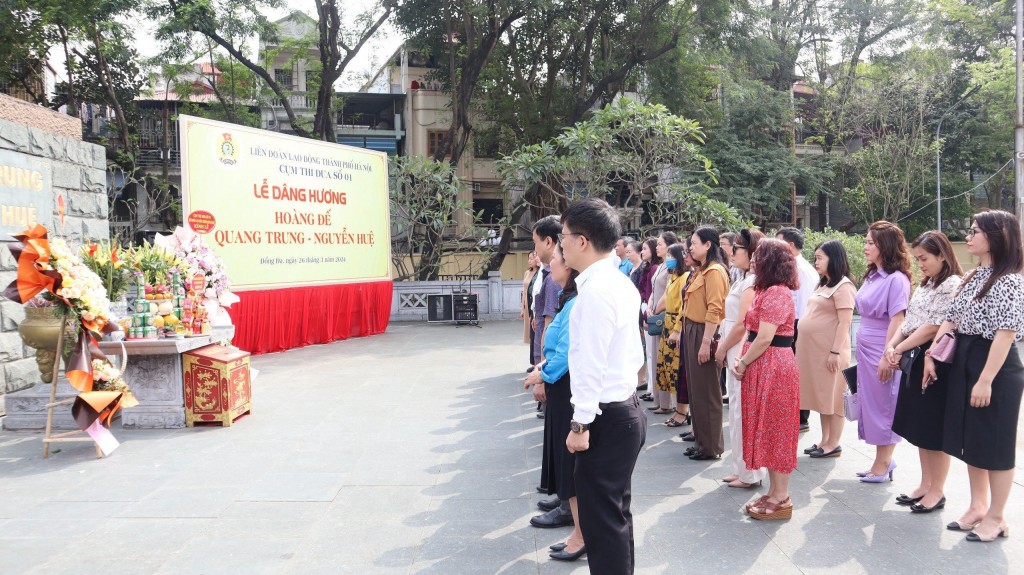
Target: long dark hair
892, 248
838, 263
678, 252
937, 244
670, 238
775, 265
1002, 230
569, 291
715, 252
748, 239
652, 244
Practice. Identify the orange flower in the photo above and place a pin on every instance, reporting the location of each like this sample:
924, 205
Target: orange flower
113, 256
92, 250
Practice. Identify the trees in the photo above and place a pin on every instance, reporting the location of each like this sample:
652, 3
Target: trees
645, 161
424, 202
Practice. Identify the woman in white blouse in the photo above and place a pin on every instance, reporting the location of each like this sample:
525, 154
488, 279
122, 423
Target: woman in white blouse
920, 410
986, 378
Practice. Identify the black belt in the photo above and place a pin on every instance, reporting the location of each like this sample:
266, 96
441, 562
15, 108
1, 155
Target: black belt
632, 401
777, 341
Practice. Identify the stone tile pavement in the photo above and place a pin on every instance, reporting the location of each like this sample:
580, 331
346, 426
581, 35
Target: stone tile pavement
417, 451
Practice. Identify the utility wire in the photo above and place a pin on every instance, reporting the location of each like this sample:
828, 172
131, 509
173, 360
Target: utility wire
994, 174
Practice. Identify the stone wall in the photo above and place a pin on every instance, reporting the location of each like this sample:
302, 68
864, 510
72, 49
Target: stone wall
497, 299
70, 168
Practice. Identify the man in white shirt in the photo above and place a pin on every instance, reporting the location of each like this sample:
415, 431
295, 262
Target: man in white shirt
809, 280
608, 427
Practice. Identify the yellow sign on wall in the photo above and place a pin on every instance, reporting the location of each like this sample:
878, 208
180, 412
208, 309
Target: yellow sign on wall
284, 211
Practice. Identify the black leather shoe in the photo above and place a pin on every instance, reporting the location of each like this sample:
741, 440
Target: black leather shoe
549, 504
554, 518
811, 449
564, 555
904, 499
557, 546
701, 456
542, 489
918, 508
690, 451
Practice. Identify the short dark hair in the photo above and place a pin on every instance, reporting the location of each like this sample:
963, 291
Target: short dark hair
596, 220
548, 227
937, 244
637, 246
793, 236
775, 265
838, 263
670, 238
1002, 231
678, 252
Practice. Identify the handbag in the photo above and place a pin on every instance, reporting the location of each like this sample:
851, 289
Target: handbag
907, 361
656, 324
851, 405
714, 344
850, 374
945, 348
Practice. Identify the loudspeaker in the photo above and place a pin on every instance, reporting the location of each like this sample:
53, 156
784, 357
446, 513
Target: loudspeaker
439, 308
465, 308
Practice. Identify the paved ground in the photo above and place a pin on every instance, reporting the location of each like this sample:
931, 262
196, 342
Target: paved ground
417, 452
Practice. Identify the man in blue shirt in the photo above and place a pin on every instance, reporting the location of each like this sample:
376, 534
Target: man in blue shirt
625, 266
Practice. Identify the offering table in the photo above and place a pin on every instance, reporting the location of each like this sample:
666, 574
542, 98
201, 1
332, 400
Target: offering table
155, 377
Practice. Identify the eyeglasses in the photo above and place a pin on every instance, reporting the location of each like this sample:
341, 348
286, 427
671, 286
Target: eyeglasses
973, 232
738, 247
563, 236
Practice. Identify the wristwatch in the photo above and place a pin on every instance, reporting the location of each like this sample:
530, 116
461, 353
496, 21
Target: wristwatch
578, 427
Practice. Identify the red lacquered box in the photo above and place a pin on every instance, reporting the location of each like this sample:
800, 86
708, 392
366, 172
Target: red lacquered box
217, 385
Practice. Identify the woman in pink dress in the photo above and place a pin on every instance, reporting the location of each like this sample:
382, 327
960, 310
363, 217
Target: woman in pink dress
771, 379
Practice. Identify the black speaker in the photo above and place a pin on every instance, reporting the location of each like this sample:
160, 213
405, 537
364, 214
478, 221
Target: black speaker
465, 308
439, 308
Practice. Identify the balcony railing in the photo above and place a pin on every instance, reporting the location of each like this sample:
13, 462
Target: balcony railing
300, 101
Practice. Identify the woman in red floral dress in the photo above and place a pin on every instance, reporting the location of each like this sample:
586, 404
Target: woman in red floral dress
771, 379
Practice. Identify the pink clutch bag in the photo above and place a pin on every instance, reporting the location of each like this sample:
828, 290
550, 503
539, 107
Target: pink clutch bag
945, 348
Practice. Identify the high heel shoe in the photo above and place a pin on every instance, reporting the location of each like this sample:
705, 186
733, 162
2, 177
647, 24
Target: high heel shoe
918, 508
872, 478
564, 555
957, 526
558, 546
973, 536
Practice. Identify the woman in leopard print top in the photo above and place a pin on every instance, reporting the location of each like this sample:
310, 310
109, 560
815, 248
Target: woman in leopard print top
986, 377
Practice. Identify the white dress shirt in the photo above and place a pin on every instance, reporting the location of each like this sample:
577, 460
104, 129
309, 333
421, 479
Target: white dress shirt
809, 280
604, 352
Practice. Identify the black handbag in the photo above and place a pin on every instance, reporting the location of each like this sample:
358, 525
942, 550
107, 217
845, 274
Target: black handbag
850, 374
656, 324
907, 360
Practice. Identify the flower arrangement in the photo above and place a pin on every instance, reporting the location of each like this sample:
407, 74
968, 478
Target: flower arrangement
104, 259
106, 377
155, 262
80, 292
198, 258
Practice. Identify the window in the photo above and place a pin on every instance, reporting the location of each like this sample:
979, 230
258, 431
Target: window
434, 140
284, 78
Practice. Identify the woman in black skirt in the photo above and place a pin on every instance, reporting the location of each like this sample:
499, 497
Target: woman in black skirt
557, 471
920, 411
986, 378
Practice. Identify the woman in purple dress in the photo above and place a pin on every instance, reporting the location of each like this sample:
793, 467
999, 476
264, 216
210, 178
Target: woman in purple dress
882, 302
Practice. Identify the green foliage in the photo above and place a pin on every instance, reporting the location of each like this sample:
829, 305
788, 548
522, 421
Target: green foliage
636, 156
854, 249
425, 208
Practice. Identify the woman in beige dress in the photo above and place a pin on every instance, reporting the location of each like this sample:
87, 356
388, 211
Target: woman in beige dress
824, 350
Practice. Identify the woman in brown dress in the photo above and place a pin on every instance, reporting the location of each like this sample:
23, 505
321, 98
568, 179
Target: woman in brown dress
824, 350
